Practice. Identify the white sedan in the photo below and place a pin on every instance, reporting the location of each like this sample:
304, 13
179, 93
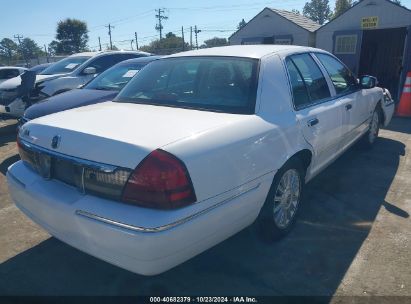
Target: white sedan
194, 149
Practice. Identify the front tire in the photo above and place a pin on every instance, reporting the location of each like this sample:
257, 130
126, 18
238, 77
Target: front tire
280, 209
374, 128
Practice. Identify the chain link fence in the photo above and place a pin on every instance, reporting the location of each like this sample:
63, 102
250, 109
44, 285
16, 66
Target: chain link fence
32, 62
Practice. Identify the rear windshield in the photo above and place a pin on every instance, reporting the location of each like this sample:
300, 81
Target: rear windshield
115, 78
66, 65
222, 84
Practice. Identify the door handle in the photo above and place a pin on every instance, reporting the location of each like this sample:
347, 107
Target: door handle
348, 107
313, 122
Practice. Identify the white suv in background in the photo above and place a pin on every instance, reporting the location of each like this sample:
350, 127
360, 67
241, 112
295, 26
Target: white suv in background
62, 76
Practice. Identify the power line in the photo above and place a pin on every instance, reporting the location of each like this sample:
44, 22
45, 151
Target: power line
191, 37
196, 31
109, 33
182, 35
18, 37
159, 26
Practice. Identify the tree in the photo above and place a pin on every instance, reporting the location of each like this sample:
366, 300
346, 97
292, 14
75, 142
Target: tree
114, 48
30, 49
241, 24
53, 47
317, 10
8, 49
296, 11
168, 45
213, 42
71, 36
341, 6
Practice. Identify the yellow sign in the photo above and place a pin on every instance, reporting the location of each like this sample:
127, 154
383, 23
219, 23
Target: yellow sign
369, 22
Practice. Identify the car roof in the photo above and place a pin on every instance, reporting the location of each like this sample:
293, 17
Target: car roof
92, 54
12, 67
84, 54
145, 59
248, 51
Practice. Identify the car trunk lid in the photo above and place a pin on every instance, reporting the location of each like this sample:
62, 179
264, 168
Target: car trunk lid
120, 134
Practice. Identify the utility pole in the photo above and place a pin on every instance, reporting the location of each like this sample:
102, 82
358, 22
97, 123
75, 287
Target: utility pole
196, 31
159, 26
109, 33
18, 37
182, 35
131, 43
99, 43
47, 53
191, 37
135, 33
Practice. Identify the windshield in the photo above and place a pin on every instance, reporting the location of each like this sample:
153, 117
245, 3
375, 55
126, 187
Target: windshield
114, 79
223, 84
66, 65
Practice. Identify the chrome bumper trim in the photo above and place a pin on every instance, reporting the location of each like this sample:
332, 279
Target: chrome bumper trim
163, 227
15, 179
79, 161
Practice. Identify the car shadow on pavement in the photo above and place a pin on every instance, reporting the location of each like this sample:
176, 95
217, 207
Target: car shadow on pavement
400, 124
7, 126
5, 164
336, 217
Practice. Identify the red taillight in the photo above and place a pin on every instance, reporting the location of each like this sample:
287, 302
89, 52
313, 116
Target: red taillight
161, 181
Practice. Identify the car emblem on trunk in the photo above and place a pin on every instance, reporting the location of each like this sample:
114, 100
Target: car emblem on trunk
55, 142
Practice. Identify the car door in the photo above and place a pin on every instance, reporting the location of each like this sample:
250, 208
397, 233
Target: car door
319, 115
354, 101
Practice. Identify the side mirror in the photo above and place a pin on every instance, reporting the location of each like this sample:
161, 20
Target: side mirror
90, 70
368, 82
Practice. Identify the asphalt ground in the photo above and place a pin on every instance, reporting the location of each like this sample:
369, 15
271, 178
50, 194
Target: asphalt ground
352, 238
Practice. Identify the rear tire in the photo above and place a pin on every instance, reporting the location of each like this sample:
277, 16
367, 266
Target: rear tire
374, 128
280, 209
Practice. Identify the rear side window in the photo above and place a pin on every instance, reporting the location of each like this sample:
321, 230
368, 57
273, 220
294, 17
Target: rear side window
300, 93
341, 77
313, 79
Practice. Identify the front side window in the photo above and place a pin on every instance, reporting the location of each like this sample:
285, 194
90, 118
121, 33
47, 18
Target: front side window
115, 78
66, 65
102, 63
341, 77
303, 71
222, 84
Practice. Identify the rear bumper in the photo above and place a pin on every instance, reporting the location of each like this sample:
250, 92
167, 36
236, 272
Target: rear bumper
138, 239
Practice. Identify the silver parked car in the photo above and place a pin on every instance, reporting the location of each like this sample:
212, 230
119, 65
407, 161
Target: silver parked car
64, 75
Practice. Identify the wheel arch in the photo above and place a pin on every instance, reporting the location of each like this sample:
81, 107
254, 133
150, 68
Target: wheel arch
381, 114
305, 156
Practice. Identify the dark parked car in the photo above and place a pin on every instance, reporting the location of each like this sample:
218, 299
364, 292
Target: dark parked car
102, 88
40, 67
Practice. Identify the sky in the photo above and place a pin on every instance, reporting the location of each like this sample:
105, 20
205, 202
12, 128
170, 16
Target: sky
38, 19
